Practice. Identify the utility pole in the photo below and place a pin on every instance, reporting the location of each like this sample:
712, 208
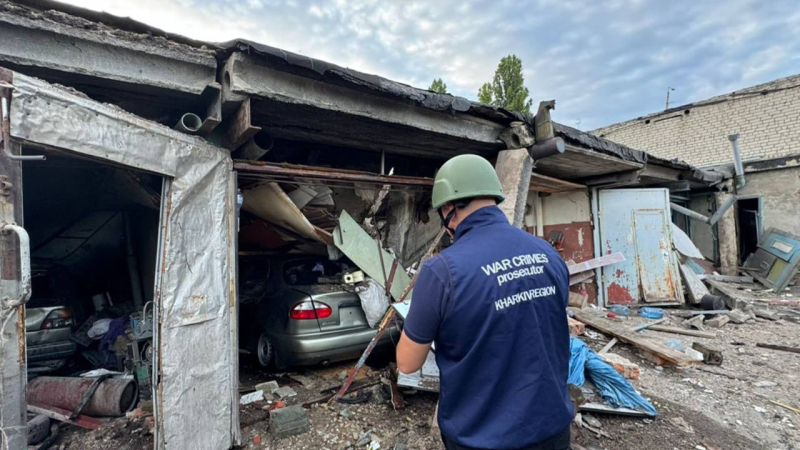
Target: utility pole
668, 89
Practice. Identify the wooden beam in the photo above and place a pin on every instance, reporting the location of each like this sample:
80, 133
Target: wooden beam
646, 344
539, 182
543, 183
683, 331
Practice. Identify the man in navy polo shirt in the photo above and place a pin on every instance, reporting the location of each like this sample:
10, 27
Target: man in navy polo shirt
494, 303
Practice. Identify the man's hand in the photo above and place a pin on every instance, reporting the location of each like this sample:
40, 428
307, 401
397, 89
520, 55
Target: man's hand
410, 355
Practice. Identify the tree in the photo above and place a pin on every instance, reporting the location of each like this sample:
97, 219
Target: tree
507, 89
438, 86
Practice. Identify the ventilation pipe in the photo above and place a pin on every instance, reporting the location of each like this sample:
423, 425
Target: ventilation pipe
189, 123
737, 161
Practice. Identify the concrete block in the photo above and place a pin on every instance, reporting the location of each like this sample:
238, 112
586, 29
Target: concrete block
289, 421
285, 392
738, 316
514, 169
268, 387
718, 322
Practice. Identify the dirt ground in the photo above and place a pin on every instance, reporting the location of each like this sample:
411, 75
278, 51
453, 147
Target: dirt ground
700, 407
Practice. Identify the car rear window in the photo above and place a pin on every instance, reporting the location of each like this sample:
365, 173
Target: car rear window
310, 271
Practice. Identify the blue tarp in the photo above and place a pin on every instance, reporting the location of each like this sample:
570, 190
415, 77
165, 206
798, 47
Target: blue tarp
613, 387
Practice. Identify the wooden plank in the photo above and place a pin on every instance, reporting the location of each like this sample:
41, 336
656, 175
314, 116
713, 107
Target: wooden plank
779, 347
726, 278
694, 286
596, 262
646, 344
608, 346
581, 277
683, 331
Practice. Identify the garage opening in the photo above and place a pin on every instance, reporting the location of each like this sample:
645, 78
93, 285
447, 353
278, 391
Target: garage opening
94, 238
301, 310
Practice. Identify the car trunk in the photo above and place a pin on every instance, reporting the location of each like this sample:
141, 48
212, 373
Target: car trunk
346, 312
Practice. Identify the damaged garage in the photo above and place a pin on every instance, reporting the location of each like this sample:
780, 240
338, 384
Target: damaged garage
182, 206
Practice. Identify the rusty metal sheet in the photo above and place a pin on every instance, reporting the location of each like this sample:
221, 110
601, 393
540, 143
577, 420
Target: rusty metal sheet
636, 223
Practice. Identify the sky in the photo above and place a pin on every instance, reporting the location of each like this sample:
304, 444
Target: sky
602, 61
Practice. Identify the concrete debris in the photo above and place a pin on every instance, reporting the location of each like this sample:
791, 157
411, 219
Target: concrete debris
269, 387
592, 421
718, 322
251, 398
285, 392
626, 368
289, 421
738, 316
681, 424
762, 384
759, 409
695, 322
766, 314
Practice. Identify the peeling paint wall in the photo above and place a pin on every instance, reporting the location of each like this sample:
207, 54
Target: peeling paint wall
570, 213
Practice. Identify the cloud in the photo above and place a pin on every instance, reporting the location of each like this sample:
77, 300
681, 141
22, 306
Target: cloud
603, 62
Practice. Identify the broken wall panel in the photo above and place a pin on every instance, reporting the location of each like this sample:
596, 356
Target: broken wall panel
196, 395
570, 214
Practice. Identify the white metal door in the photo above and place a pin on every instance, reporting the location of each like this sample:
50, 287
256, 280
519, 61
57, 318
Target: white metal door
636, 223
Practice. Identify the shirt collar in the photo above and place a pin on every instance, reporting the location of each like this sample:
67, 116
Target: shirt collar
488, 215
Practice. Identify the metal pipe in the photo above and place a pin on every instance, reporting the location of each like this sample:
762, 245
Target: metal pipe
255, 147
24, 263
6, 135
549, 147
688, 212
113, 397
737, 161
189, 123
601, 293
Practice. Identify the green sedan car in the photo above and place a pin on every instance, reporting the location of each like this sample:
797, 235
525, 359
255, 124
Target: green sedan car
295, 310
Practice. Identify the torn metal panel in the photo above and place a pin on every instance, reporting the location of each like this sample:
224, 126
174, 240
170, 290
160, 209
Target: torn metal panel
194, 357
777, 259
269, 202
354, 242
425, 379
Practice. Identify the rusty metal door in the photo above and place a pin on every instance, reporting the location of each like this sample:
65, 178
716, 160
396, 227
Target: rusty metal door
636, 223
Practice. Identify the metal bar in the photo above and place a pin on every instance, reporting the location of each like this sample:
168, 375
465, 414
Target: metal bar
387, 318
383, 264
688, 212
90, 423
24, 264
391, 277
649, 324
89, 393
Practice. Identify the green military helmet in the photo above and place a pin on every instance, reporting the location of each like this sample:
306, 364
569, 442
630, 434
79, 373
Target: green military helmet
465, 176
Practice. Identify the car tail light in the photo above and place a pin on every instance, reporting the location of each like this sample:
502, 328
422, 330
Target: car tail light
59, 318
310, 310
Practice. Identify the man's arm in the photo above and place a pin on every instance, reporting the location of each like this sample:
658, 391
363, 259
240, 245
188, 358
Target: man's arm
424, 316
410, 355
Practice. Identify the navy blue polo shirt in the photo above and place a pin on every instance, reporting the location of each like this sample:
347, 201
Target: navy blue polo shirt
494, 303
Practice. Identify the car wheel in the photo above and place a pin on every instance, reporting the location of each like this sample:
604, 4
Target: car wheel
265, 350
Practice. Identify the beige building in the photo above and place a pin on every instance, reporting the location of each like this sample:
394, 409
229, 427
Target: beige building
767, 119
